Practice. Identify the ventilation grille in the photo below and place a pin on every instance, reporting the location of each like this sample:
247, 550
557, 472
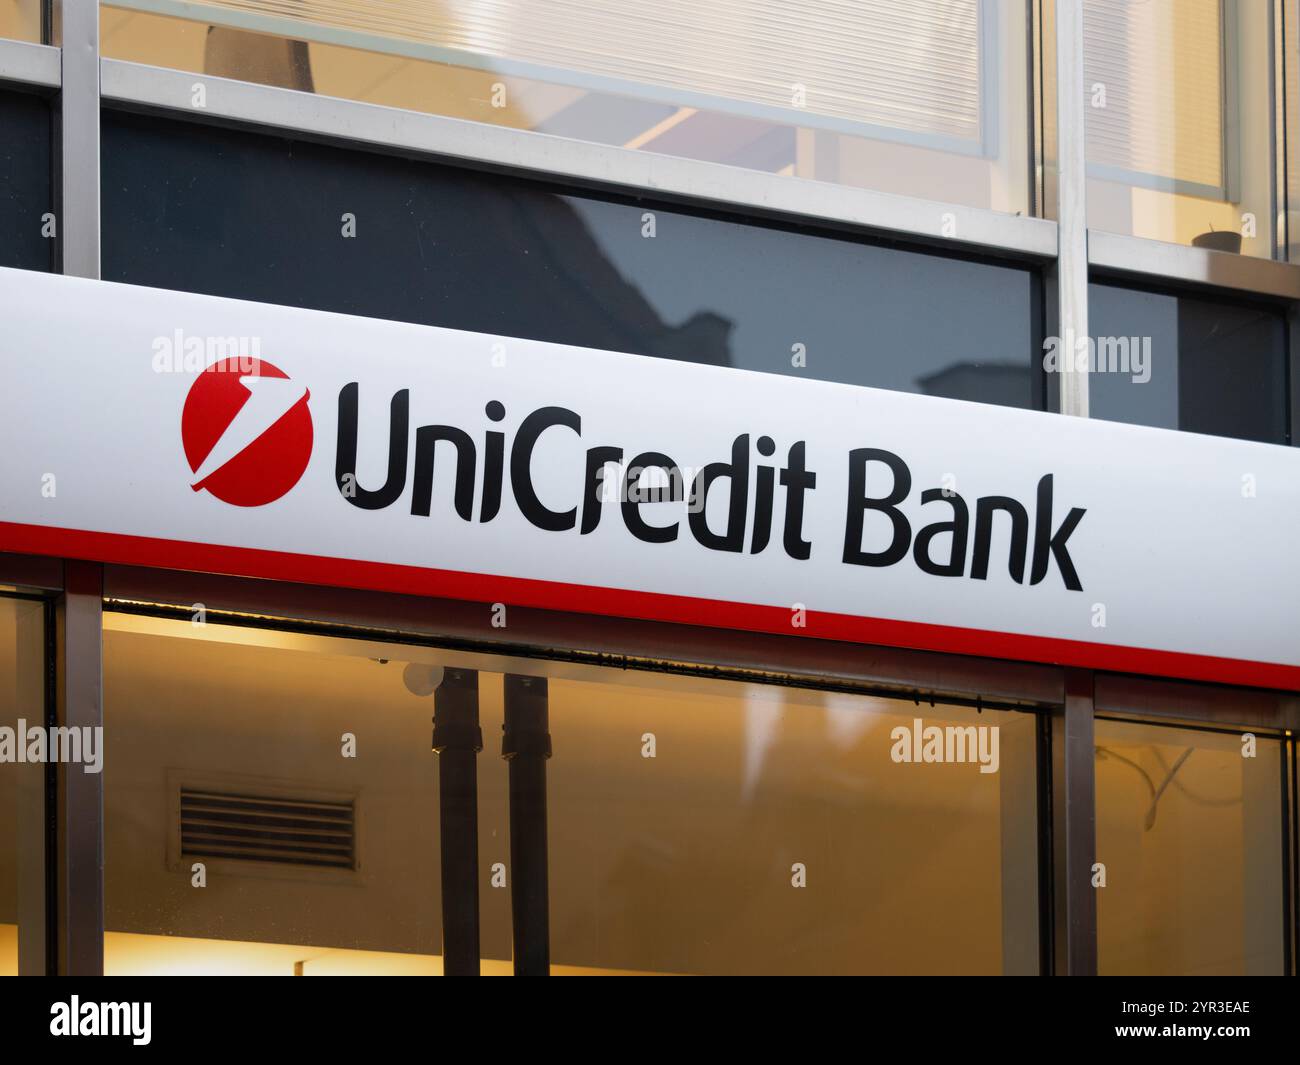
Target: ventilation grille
256, 829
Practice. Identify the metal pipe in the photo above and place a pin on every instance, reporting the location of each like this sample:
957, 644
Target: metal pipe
526, 745
457, 739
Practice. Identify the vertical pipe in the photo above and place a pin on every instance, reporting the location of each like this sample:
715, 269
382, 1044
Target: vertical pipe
80, 795
1074, 815
1071, 272
1018, 844
457, 739
526, 745
76, 27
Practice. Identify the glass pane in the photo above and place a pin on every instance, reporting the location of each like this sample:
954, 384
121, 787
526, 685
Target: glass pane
1189, 829
1177, 362
695, 826
241, 748
26, 200
686, 862
923, 97
20, 20
1180, 120
22, 786
261, 218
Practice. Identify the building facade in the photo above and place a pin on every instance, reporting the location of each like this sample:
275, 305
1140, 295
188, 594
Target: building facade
736, 490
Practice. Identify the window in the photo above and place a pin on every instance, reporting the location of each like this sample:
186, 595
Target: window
924, 97
21, 20
26, 200
1179, 121
22, 788
695, 825
1183, 362
253, 217
1189, 830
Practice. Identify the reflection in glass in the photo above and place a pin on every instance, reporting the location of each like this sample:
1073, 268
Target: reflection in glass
1180, 362
681, 812
926, 99
1180, 113
444, 246
1190, 833
20, 20
26, 195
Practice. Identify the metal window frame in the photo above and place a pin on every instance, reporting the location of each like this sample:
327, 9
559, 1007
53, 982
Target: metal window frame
81, 82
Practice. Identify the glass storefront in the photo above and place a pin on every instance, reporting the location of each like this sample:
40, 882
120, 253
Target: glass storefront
22, 783
695, 826
1190, 831
271, 802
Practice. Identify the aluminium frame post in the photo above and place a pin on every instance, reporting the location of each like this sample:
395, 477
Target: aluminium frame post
1074, 828
1071, 269
76, 26
79, 677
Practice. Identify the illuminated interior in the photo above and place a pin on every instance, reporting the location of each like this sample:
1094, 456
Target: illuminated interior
680, 863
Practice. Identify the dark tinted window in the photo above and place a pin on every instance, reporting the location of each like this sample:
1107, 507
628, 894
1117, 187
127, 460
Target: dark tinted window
25, 190
1195, 364
257, 217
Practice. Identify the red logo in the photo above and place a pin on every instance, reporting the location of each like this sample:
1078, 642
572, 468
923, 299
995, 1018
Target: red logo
247, 431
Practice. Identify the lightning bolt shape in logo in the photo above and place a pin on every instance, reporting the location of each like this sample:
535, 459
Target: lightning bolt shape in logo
269, 400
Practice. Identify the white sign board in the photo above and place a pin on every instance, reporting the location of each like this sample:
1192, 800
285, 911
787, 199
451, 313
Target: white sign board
190, 432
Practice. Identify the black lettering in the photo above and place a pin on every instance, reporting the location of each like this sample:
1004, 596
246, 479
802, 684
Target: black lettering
1056, 544
763, 493
521, 478
634, 495
345, 455
597, 459
494, 447
737, 471
860, 503
426, 442
985, 508
796, 480
959, 526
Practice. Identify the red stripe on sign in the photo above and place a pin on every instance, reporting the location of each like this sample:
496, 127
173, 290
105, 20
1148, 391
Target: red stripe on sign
648, 606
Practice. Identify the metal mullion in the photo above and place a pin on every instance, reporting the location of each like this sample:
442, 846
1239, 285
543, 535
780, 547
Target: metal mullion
77, 140
1071, 270
79, 677
1074, 829
1073, 779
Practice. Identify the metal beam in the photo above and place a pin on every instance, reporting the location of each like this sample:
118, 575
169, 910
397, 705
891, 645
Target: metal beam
24, 63
498, 147
1137, 258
